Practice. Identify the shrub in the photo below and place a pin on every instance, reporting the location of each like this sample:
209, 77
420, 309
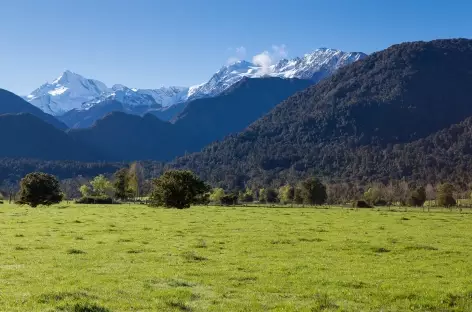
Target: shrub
362, 204
247, 196
381, 202
270, 196
229, 200
95, 200
417, 197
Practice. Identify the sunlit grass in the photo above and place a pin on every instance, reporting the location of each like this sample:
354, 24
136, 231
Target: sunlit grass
135, 258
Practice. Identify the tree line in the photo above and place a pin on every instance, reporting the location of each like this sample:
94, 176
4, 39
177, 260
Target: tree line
182, 188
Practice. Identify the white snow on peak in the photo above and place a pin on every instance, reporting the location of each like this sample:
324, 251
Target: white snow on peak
65, 93
314, 66
72, 91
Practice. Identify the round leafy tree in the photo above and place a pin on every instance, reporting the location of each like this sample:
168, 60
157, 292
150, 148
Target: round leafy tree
445, 196
313, 192
39, 188
177, 189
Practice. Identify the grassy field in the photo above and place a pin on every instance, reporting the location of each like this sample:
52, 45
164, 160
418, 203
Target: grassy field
135, 258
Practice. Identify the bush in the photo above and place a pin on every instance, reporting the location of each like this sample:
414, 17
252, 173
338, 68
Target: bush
229, 200
447, 201
95, 200
362, 204
271, 196
417, 197
381, 202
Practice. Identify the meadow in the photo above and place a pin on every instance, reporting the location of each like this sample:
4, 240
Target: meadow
102, 258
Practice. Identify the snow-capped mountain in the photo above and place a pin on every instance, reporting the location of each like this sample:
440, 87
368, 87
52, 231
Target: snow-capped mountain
167, 96
72, 91
314, 66
125, 95
65, 93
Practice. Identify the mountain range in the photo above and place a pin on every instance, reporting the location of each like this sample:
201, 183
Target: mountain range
403, 112
71, 97
126, 137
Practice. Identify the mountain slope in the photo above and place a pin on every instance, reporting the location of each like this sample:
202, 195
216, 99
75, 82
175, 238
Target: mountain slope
120, 136
25, 135
13, 104
393, 97
209, 119
84, 118
124, 137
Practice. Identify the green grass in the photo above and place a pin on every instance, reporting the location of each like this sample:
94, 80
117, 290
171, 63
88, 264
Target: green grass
135, 258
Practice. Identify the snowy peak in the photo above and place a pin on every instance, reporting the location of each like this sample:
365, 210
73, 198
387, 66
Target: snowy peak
223, 79
65, 93
129, 97
73, 91
313, 66
316, 65
167, 96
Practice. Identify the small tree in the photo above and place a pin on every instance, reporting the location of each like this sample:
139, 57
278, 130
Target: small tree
177, 189
430, 193
390, 193
85, 190
286, 194
313, 192
101, 186
271, 196
120, 185
136, 178
247, 196
39, 188
417, 197
262, 195
216, 195
297, 195
373, 195
445, 196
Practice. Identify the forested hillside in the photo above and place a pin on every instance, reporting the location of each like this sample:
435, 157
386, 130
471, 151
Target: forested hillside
124, 137
378, 118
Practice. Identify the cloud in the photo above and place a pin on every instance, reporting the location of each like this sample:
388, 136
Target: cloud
239, 54
264, 60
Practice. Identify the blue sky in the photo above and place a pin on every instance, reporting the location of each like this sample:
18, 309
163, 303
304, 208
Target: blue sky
150, 43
